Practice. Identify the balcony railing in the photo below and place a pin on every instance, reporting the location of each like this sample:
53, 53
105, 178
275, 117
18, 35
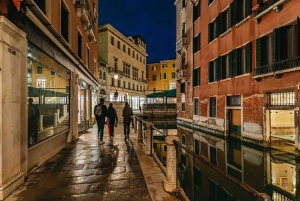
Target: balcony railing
266, 7
275, 67
178, 176
143, 80
181, 43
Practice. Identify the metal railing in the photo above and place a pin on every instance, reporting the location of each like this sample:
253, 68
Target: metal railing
183, 172
278, 66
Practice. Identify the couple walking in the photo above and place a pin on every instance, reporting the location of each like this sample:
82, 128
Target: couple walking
101, 112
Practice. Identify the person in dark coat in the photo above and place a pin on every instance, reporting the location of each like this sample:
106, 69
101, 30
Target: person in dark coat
126, 114
100, 112
33, 120
113, 119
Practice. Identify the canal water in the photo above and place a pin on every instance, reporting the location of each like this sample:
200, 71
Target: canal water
228, 169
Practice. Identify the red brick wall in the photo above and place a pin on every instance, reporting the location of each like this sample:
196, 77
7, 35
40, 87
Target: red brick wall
203, 108
253, 109
221, 106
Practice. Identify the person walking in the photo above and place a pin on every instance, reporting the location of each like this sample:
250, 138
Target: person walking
100, 112
126, 114
113, 119
33, 119
132, 118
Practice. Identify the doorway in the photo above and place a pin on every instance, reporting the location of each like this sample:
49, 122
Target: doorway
234, 116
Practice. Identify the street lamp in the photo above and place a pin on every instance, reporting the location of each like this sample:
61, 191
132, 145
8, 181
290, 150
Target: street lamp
116, 76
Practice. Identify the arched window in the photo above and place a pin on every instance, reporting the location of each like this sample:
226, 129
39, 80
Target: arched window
41, 82
104, 76
100, 74
183, 29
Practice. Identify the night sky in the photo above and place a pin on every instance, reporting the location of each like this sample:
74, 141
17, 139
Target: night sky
154, 20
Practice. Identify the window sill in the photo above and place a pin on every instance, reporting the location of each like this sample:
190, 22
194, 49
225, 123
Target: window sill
213, 82
242, 22
225, 33
197, 20
238, 76
224, 80
213, 40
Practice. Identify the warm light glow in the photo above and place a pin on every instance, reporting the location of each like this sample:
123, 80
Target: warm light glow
116, 76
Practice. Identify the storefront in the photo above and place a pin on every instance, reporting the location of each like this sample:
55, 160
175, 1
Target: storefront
48, 88
280, 118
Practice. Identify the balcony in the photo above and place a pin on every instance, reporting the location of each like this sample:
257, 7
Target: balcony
268, 6
277, 69
142, 80
181, 74
87, 17
181, 43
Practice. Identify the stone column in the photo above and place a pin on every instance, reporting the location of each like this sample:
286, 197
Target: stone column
149, 138
170, 181
13, 107
55, 119
74, 110
140, 129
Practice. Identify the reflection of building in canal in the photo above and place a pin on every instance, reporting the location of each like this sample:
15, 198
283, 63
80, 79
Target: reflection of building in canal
228, 162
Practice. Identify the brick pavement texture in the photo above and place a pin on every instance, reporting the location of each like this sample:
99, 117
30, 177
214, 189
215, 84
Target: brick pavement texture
85, 170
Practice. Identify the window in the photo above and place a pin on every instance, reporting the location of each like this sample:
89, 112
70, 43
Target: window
182, 87
183, 3
135, 73
112, 40
52, 73
41, 83
100, 74
165, 76
124, 48
197, 43
172, 85
240, 9
196, 147
116, 63
212, 71
39, 70
153, 68
79, 45
233, 101
197, 177
153, 77
212, 31
213, 155
87, 55
104, 76
173, 65
133, 86
183, 29
173, 75
183, 107
196, 106
212, 106
124, 84
196, 77
264, 51
154, 90
64, 22
133, 53
137, 56
128, 51
119, 83
196, 11
164, 66
128, 85
112, 81
243, 60
210, 1
126, 69
119, 46
142, 74
225, 67
183, 139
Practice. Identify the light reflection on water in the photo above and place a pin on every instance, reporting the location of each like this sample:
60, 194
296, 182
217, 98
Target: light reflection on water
266, 171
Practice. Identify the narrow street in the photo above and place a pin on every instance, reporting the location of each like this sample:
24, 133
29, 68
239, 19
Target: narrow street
84, 170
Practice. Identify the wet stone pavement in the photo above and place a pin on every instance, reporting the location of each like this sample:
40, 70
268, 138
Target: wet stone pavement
85, 170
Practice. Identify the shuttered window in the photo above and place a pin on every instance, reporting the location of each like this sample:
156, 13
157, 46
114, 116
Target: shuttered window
212, 71
212, 107
196, 11
210, 1
249, 57
182, 87
225, 67
196, 77
212, 31
197, 43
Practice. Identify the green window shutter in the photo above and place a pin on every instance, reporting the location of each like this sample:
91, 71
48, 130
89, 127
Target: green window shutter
218, 68
248, 7
229, 16
249, 57
210, 71
276, 50
194, 77
198, 75
298, 31
199, 41
230, 63
234, 62
234, 13
260, 1
209, 32
258, 52
218, 31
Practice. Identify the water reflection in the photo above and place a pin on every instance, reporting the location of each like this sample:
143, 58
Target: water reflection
229, 169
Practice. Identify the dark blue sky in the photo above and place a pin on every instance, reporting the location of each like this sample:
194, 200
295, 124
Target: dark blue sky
154, 20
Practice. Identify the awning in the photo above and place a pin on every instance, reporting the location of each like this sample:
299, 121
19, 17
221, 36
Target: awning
36, 92
168, 94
